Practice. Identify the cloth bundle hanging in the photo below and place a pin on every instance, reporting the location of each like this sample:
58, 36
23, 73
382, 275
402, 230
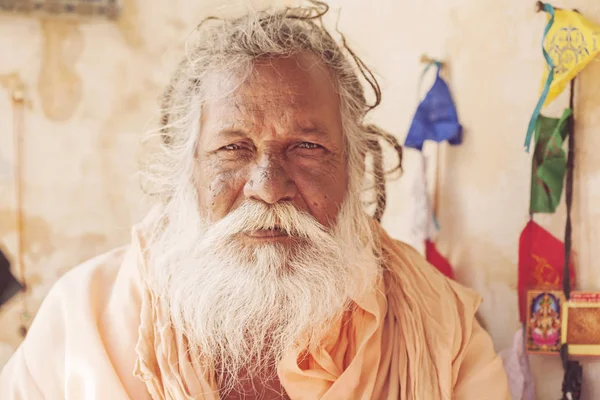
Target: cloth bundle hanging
541, 255
435, 258
569, 44
435, 120
541, 260
565, 32
549, 163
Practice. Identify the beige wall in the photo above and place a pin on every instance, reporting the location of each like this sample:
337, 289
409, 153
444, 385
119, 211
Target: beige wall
94, 87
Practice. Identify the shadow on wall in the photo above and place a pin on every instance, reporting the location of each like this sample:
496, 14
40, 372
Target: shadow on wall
9, 286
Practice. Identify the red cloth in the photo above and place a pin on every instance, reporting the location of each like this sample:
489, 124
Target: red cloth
541, 263
437, 260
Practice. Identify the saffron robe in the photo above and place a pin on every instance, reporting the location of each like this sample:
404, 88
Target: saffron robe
102, 333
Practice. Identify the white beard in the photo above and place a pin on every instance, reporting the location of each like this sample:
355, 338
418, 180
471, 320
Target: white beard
242, 307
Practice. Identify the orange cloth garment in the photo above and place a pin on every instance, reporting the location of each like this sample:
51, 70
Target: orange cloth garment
102, 333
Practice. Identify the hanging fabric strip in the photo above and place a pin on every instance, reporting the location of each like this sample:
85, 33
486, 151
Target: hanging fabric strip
572, 44
541, 258
569, 195
573, 371
430, 64
549, 163
436, 187
538, 108
423, 224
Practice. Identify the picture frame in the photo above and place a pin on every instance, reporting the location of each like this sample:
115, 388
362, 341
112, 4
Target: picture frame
544, 321
581, 324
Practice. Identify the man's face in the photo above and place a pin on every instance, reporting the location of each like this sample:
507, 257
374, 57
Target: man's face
276, 138
280, 243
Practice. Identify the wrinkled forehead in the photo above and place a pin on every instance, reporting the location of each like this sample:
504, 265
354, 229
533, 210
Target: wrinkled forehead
300, 82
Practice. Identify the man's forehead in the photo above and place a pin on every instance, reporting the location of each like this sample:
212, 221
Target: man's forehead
296, 91
298, 67
245, 112
260, 103
294, 80
233, 126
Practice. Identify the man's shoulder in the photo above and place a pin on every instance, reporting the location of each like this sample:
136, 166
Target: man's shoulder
79, 295
76, 327
447, 290
105, 266
82, 291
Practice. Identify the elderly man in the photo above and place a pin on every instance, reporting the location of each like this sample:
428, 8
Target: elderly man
259, 274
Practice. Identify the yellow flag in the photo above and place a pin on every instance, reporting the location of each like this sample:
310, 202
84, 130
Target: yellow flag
572, 42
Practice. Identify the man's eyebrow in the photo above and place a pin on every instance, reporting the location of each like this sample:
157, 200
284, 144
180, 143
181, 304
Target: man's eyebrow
231, 133
235, 131
232, 130
312, 129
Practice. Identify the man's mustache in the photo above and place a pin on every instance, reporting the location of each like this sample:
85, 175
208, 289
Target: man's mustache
253, 215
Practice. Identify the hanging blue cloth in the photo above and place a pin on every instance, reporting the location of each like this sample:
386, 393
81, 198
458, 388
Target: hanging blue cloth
436, 118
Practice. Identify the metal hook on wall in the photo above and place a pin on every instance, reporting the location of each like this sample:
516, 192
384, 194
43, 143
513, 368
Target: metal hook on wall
425, 59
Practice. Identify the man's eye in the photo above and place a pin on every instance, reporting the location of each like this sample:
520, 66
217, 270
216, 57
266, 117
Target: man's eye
308, 145
231, 147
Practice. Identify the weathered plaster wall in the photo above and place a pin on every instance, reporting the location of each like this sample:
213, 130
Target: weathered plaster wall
94, 88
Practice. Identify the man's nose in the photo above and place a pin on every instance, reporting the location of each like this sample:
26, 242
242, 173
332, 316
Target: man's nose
269, 182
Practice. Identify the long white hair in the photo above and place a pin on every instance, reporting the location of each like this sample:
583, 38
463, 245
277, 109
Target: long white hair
242, 308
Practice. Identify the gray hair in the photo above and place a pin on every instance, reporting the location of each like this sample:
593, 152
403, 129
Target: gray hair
231, 47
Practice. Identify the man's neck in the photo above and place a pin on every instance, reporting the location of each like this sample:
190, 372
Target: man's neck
257, 388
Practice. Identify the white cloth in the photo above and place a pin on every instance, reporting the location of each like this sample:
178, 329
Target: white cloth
423, 226
516, 365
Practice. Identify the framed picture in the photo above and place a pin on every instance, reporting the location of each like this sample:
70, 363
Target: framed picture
581, 324
84, 8
544, 321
